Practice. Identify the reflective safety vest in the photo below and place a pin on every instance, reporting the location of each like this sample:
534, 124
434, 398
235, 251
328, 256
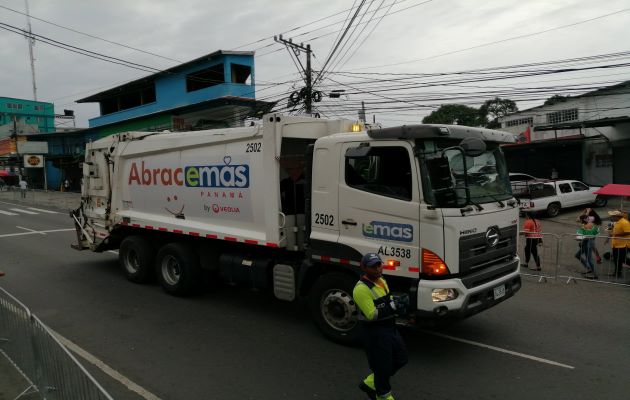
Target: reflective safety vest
384, 304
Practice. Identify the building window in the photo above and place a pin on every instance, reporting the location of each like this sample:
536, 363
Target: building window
240, 73
39, 108
14, 106
128, 100
562, 116
521, 121
205, 78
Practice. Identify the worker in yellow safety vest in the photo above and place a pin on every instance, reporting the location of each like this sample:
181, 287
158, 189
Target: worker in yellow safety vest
384, 346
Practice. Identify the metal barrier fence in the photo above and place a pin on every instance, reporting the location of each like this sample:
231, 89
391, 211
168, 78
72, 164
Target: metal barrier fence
563, 256
608, 265
51, 370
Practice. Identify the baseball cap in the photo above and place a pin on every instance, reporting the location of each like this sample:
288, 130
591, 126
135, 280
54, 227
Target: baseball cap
371, 260
615, 213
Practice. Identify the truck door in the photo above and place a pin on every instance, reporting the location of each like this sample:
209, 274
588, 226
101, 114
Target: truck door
379, 203
566, 195
581, 193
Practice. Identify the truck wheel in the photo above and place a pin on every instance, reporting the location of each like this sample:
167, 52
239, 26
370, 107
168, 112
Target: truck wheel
553, 209
178, 269
333, 308
600, 201
136, 256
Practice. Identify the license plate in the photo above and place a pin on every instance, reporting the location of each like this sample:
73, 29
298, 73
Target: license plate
499, 292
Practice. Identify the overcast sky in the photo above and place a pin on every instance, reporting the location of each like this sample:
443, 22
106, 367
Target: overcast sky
414, 36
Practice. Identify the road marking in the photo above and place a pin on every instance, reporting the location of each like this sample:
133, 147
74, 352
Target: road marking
7, 213
500, 350
30, 230
134, 387
23, 211
42, 210
36, 232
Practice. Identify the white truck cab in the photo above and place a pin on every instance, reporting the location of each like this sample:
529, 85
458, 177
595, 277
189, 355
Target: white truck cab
446, 232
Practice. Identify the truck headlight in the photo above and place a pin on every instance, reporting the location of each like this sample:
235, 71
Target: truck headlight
440, 295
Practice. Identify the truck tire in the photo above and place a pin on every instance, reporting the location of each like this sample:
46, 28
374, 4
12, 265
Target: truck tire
600, 201
178, 269
136, 256
333, 308
553, 209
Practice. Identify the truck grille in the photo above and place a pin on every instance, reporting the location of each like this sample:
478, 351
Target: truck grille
475, 254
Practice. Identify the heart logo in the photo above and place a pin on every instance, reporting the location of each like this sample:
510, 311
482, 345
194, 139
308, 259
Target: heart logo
227, 160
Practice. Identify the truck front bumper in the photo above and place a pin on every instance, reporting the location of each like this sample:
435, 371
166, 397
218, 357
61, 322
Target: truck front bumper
475, 293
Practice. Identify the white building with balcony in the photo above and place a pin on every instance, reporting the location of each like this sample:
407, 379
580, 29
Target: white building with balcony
584, 137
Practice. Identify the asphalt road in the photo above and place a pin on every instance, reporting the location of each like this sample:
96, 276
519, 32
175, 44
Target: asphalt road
551, 341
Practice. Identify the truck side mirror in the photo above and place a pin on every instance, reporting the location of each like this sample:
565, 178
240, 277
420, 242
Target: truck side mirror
439, 173
473, 147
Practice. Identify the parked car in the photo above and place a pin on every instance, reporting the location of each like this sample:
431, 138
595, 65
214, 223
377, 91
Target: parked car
552, 196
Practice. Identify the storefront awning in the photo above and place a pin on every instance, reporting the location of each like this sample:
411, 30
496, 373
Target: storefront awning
614, 189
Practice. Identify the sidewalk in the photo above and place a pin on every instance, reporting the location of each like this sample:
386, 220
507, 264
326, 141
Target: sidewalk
12, 383
61, 200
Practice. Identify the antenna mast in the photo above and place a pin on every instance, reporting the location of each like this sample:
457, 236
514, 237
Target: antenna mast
31, 43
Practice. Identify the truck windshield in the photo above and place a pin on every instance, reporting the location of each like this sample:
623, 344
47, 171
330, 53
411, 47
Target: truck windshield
450, 179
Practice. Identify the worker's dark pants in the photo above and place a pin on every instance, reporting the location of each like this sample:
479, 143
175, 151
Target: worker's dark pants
386, 353
531, 247
619, 258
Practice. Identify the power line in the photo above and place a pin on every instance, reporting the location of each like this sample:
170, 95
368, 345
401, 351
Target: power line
354, 29
498, 41
339, 41
368, 35
78, 50
91, 35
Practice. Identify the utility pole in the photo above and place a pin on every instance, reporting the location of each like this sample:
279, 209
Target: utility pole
31, 43
305, 94
17, 150
362, 112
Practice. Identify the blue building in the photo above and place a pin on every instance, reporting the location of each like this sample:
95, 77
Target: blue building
216, 90
213, 91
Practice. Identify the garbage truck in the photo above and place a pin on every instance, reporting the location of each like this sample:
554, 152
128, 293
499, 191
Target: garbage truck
291, 204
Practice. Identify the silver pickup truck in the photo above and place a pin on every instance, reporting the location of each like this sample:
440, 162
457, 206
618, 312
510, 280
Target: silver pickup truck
552, 196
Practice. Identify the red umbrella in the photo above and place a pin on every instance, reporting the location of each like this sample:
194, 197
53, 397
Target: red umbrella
5, 173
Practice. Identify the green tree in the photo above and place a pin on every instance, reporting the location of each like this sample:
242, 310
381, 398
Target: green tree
556, 98
495, 109
498, 107
454, 113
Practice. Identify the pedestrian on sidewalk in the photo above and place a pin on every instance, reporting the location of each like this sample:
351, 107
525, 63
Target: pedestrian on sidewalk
595, 219
23, 187
620, 235
533, 239
586, 235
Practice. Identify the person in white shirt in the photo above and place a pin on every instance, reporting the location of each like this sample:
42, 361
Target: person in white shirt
23, 187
